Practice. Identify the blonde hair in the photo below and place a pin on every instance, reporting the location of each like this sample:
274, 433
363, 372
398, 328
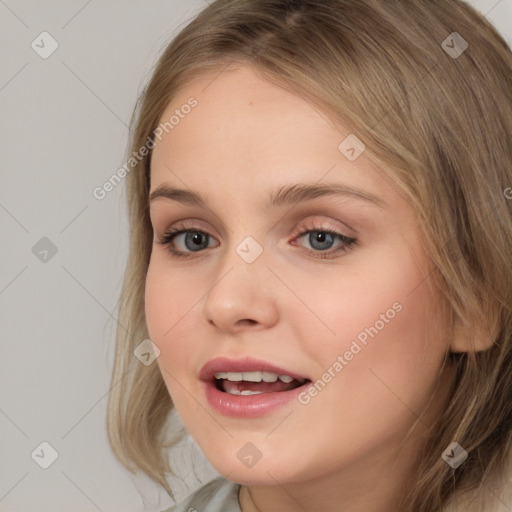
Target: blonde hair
438, 123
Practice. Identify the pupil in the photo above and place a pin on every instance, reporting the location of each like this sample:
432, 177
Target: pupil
321, 237
195, 240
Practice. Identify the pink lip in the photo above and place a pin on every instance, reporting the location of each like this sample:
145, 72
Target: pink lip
244, 406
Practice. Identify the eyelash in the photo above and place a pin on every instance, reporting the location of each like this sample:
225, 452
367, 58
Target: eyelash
170, 234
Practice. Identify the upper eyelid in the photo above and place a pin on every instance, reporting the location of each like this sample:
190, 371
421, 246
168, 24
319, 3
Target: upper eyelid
171, 233
191, 225
306, 217
299, 212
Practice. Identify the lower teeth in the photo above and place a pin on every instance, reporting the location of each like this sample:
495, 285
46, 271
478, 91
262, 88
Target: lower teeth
245, 392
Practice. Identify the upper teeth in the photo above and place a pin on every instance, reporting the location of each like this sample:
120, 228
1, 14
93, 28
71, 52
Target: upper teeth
253, 376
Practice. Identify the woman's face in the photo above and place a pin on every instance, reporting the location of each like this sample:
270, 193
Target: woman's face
329, 289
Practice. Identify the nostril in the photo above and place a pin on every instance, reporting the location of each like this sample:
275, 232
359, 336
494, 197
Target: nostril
248, 321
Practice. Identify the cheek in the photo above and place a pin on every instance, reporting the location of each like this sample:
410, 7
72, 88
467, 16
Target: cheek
379, 289
168, 297
167, 304
157, 302
380, 313
175, 323
381, 323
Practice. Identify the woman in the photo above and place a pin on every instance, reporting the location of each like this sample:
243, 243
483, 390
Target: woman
321, 228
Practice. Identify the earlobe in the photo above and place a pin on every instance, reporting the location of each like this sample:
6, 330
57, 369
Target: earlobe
475, 338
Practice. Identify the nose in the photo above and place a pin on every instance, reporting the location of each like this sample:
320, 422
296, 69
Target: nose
242, 297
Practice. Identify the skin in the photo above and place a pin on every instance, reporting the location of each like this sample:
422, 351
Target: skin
345, 449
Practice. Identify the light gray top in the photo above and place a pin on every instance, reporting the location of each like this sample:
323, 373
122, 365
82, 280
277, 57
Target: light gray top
219, 495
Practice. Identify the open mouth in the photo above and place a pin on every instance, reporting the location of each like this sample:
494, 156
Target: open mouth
249, 388
255, 382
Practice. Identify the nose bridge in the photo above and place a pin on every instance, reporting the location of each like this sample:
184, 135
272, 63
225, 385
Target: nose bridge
239, 294
245, 237
242, 268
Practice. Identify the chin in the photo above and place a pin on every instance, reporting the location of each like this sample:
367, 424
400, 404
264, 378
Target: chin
264, 471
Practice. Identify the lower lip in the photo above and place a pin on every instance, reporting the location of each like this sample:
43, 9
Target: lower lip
248, 406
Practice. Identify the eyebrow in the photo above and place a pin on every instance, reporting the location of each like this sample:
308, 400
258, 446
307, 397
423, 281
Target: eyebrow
286, 195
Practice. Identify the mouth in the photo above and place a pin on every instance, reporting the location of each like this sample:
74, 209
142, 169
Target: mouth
249, 387
255, 382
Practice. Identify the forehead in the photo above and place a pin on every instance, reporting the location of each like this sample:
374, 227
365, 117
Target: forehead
245, 134
243, 113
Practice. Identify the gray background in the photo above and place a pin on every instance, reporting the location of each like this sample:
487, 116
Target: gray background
63, 132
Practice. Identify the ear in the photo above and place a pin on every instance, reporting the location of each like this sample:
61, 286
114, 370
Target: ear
479, 336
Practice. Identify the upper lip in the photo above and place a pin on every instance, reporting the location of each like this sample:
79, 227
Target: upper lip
247, 364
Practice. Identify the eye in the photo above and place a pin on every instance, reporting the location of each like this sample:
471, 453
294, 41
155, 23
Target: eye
321, 240
193, 240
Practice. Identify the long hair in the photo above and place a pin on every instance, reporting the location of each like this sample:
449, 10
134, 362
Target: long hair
427, 85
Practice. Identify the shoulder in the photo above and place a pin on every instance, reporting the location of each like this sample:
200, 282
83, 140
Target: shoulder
219, 495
